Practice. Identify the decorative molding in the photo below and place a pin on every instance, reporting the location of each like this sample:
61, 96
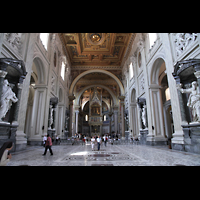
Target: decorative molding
53, 81
182, 41
14, 39
141, 84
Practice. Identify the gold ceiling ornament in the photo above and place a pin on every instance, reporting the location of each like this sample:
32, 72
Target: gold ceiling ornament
96, 38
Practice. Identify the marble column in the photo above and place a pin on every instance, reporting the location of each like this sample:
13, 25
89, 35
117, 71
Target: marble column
110, 120
71, 98
121, 98
77, 112
115, 118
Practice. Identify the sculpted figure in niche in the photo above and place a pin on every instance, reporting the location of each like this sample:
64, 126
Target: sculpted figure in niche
144, 117
51, 116
194, 100
7, 97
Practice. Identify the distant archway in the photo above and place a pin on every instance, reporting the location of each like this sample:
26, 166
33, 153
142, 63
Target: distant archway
98, 71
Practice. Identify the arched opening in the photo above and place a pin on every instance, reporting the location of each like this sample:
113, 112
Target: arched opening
96, 71
167, 109
93, 111
34, 123
162, 123
108, 91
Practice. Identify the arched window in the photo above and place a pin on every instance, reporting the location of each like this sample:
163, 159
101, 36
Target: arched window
167, 94
152, 38
131, 70
44, 38
63, 71
86, 118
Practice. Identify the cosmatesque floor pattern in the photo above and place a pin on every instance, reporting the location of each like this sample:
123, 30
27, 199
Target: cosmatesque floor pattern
111, 155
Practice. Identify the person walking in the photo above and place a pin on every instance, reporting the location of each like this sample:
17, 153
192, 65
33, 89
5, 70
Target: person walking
92, 143
48, 146
85, 140
105, 138
98, 142
5, 156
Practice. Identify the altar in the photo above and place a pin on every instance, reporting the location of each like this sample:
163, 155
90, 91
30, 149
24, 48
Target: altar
95, 113
95, 134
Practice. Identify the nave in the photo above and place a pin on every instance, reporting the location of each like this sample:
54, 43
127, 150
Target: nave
135, 85
111, 155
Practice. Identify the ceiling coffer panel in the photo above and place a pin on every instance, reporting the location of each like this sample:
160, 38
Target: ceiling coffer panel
97, 49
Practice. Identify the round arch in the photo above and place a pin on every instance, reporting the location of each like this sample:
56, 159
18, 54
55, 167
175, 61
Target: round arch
155, 69
133, 96
98, 71
102, 86
40, 70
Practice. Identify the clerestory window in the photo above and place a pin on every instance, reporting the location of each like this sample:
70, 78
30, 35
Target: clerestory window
44, 38
152, 39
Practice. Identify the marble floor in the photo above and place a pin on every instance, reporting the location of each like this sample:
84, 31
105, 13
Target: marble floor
111, 155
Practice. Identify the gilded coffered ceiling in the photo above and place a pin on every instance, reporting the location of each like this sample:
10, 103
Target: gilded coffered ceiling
97, 49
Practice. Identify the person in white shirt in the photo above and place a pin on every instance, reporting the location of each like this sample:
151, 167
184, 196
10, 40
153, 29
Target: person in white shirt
98, 142
85, 138
105, 138
92, 143
44, 139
